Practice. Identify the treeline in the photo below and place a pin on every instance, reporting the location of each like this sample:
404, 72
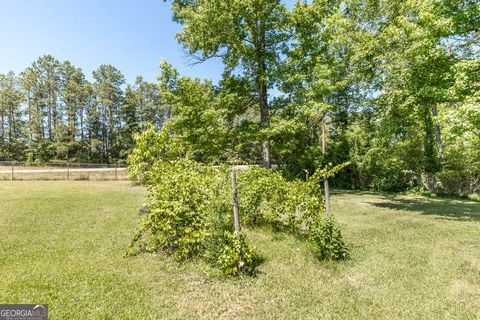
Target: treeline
51, 112
393, 87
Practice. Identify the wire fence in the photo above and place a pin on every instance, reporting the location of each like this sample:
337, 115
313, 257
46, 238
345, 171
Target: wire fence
16, 170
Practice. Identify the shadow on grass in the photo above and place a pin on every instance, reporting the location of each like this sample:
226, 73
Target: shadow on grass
454, 208
447, 208
388, 195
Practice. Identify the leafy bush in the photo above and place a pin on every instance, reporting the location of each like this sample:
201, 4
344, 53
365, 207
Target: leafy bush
296, 206
234, 256
460, 183
190, 216
190, 206
176, 223
328, 241
266, 197
152, 146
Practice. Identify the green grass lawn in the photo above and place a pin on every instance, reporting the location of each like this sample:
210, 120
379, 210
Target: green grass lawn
62, 243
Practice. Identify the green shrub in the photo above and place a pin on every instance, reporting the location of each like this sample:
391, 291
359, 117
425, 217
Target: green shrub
328, 241
177, 222
151, 147
266, 197
190, 215
234, 256
190, 207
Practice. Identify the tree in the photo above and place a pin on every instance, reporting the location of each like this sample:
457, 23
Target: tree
109, 98
130, 116
416, 74
197, 123
142, 106
41, 83
10, 117
148, 104
47, 70
320, 79
248, 35
74, 97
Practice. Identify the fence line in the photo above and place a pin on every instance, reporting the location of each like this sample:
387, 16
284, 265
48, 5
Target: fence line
62, 164
16, 170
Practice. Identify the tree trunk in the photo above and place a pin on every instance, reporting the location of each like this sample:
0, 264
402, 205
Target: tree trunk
29, 109
81, 124
438, 135
264, 122
14, 127
262, 94
72, 120
110, 133
50, 121
54, 113
10, 121
431, 159
104, 133
39, 121
3, 128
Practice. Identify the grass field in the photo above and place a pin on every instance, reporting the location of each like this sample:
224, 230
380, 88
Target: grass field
62, 243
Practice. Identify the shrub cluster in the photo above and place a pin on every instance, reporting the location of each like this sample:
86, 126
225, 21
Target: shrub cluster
266, 197
190, 207
190, 216
328, 241
232, 255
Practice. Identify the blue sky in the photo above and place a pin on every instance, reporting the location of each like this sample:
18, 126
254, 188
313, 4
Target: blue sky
131, 35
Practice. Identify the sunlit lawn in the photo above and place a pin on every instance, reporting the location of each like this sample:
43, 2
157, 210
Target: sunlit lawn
62, 243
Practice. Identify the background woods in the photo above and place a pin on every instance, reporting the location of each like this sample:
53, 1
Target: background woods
51, 112
391, 87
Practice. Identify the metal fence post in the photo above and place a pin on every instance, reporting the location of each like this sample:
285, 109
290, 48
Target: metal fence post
13, 163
